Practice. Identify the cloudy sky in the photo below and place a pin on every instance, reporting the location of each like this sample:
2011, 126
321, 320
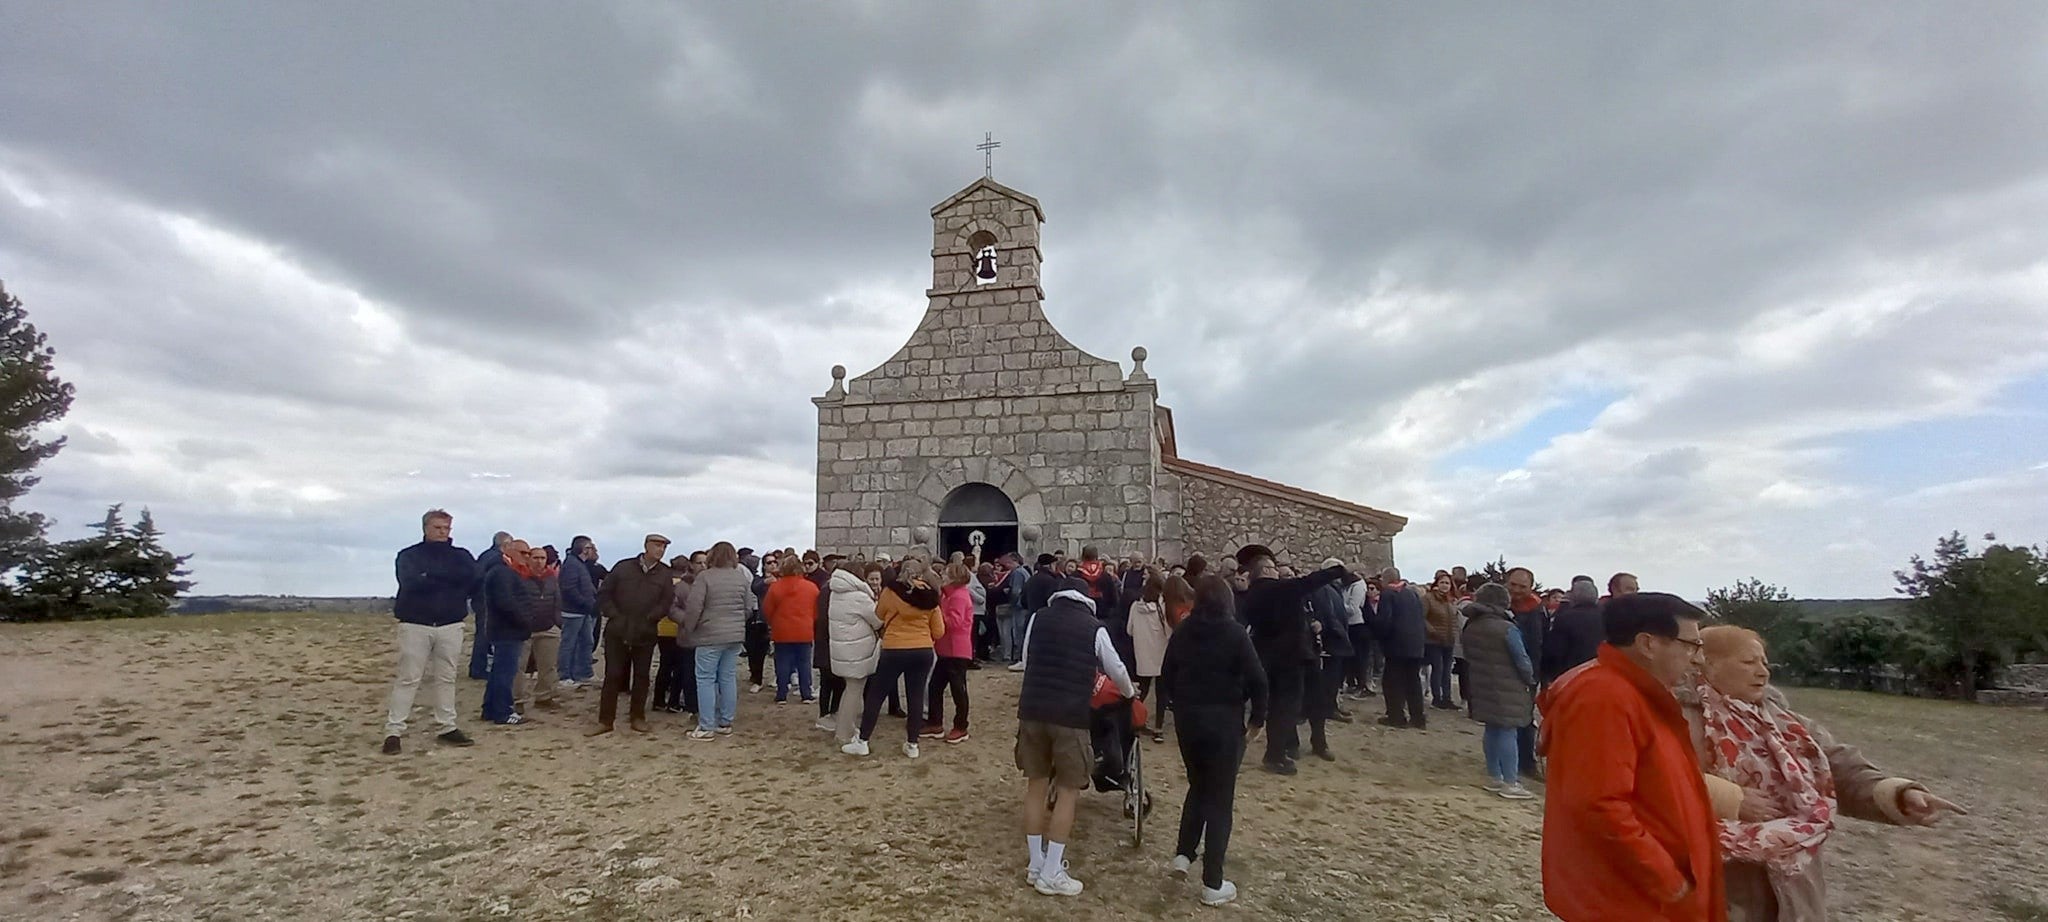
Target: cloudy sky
1702, 293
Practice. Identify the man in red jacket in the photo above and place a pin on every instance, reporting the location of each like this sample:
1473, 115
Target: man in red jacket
1628, 831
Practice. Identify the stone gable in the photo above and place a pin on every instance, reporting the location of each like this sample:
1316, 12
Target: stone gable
985, 391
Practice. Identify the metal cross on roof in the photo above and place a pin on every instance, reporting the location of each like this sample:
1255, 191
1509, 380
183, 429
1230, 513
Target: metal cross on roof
988, 147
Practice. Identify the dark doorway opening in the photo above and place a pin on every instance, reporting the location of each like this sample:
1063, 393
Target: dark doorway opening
977, 510
997, 540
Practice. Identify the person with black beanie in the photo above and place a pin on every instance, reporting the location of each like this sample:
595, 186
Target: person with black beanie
1277, 612
1210, 673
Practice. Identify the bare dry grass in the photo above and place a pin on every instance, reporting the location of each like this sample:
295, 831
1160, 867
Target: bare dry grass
226, 767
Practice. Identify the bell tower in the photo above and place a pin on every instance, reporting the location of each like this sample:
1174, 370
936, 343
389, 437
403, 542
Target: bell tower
985, 239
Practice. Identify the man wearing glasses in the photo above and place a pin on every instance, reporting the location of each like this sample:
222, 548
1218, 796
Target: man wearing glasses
1628, 829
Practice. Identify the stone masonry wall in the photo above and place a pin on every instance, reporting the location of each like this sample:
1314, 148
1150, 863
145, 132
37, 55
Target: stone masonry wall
985, 390
1218, 518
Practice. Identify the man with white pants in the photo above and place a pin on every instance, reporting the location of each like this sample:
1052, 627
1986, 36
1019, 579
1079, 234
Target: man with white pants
434, 582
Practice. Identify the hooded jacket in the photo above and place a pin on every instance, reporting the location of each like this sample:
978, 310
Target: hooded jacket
1501, 679
791, 607
956, 607
1628, 830
855, 632
910, 615
1063, 649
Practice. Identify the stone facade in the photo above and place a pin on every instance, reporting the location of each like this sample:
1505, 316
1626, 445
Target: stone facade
987, 392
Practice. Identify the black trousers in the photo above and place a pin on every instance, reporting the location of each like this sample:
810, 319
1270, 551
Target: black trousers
1403, 687
675, 682
950, 673
1525, 744
830, 690
1360, 664
1283, 711
910, 667
625, 669
1211, 744
1322, 692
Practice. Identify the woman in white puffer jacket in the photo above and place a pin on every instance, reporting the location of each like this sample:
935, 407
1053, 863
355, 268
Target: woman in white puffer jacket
856, 639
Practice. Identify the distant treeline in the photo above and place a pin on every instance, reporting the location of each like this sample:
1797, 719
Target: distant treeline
213, 604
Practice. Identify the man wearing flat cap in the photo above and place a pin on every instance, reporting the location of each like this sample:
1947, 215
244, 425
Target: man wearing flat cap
635, 595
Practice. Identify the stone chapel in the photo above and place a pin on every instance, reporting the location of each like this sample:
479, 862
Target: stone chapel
988, 428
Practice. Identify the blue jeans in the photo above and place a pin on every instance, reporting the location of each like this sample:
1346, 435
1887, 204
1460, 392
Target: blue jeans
792, 661
507, 656
574, 663
718, 685
1020, 624
479, 651
1501, 756
1438, 659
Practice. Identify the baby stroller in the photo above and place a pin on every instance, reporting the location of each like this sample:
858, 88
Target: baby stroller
1119, 759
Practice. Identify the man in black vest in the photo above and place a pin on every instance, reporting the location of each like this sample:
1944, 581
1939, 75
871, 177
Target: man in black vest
1277, 611
1063, 649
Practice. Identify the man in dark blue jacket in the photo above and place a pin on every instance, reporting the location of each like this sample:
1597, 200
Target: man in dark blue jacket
1403, 627
579, 605
434, 580
509, 621
486, 560
1037, 593
1333, 643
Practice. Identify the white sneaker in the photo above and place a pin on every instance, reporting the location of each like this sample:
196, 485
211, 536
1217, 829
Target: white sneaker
1494, 786
910, 750
1056, 882
701, 735
1219, 896
756, 689
826, 724
1517, 792
1031, 876
725, 729
1181, 864
566, 683
857, 747
1017, 667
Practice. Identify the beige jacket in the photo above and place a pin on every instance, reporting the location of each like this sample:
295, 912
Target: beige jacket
1862, 791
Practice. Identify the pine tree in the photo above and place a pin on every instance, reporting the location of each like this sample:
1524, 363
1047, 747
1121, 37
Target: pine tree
121, 571
31, 396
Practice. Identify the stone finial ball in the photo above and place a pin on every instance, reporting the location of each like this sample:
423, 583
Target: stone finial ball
1139, 354
1028, 532
838, 372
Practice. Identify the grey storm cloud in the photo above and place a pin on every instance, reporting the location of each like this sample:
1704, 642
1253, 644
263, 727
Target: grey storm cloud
608, 252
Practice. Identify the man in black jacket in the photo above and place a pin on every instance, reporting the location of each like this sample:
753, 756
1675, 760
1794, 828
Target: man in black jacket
1575, 631
434, 582
512, 594
1277, 611
1038, 591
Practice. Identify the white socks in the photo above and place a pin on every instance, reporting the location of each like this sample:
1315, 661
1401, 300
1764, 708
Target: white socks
1055, 857
1036, 845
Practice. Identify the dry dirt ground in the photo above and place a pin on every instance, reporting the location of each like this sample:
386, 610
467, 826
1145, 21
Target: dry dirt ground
226, 767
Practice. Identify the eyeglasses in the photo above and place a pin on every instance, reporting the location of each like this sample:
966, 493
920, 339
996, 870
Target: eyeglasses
1695, 644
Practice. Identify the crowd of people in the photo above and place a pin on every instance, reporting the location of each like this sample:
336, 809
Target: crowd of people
1677, 783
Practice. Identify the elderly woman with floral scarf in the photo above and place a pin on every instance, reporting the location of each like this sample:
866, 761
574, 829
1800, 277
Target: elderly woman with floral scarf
1779, 781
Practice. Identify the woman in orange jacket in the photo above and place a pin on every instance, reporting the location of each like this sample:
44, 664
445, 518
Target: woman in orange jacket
791, 607
911, 624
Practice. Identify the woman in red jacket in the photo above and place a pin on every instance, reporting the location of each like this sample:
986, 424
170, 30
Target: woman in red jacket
791, 607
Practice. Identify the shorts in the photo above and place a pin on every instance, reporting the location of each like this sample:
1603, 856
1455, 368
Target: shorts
1061, 754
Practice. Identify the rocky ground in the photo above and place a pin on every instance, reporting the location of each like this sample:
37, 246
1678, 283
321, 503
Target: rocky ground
226, 767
